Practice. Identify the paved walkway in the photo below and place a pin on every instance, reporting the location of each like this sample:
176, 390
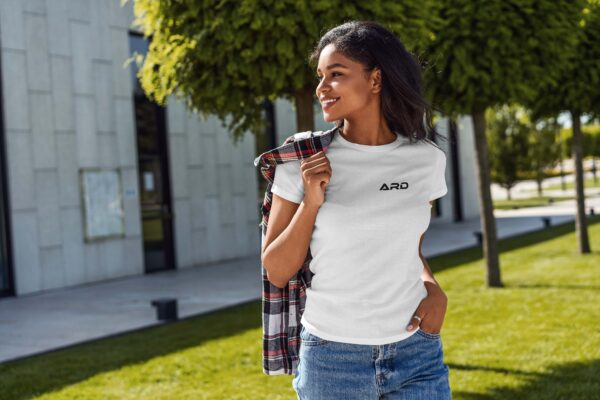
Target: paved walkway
33, 324
526, 189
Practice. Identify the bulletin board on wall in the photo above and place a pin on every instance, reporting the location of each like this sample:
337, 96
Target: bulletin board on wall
102, 203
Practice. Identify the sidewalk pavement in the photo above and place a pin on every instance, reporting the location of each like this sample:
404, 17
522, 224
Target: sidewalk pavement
527, 189
37, 323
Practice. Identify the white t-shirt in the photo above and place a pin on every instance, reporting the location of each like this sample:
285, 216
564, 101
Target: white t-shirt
365, 242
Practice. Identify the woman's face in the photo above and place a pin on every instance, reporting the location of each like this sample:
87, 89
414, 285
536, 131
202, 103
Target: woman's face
344, 79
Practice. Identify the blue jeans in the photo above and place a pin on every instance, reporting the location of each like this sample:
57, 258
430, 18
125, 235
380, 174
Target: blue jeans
411, 369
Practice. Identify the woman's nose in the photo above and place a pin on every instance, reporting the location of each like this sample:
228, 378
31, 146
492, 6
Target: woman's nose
319, 88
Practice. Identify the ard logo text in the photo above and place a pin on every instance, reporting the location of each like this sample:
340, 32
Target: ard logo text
394, 185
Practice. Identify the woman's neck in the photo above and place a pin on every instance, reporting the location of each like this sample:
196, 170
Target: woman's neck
367, 135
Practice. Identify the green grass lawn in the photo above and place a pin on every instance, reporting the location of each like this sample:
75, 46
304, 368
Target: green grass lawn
528, 202
587, 183
536, 338
535, 201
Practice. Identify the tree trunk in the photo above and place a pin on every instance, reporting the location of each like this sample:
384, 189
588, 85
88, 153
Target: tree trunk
305, 116
580, 219
486, 211
539, 186
594, 168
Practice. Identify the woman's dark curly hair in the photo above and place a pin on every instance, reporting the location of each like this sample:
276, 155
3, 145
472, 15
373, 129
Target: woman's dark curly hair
403, 102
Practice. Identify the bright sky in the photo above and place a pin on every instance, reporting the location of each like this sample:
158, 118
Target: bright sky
565, 119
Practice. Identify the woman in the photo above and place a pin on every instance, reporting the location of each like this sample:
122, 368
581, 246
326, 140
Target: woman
373, 315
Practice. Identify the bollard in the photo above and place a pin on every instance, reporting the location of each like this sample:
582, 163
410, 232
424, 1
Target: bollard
166, 309
479, 237
546, 221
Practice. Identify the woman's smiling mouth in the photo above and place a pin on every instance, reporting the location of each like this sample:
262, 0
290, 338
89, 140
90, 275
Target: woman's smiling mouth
326, 104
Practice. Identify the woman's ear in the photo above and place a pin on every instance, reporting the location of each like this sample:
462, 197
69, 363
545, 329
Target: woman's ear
376, 80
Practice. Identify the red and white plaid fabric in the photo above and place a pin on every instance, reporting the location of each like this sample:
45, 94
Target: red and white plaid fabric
282, 308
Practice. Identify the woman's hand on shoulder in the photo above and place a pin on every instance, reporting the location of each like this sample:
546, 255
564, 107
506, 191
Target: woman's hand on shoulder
316, 173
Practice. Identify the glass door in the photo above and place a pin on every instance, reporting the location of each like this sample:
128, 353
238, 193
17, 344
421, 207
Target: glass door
154, 184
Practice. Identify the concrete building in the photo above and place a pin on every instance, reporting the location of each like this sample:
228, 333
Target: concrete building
97, 182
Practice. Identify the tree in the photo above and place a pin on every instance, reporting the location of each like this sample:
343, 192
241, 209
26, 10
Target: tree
507, 136
576, 90
544, 148
226, 57
489, 53
564, 153
591, 146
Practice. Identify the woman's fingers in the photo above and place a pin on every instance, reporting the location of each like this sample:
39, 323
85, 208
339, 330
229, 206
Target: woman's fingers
324, 166
414, 321
424, 322
317, 163
316, 158
417, 317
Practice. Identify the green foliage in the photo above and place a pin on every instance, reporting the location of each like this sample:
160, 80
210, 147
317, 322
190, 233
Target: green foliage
225, 58
520, 148
591, 140
544, 147
577, 88
507, 136
488, 53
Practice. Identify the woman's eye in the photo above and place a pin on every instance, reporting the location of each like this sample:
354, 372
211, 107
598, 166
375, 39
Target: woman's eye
318, 78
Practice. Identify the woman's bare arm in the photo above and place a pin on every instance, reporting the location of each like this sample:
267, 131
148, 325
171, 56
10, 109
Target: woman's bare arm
287, 239
291, 225
427, 275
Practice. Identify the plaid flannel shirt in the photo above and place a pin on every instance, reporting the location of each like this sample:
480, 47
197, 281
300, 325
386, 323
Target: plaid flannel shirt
282, 308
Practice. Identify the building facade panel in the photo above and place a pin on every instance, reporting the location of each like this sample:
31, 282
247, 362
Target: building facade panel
14, 87
21, 183
60, 68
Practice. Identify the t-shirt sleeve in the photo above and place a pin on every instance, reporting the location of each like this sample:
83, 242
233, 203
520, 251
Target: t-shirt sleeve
288, 181
439, 188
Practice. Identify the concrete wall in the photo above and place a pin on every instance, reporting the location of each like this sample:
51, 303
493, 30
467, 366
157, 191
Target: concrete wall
67, 105
445, 203
466, 166
466, 159
214, 189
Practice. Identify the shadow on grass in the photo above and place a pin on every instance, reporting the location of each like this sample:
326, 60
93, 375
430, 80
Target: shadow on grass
539, 286
51, 371
480, 368
462, 256
568, 381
